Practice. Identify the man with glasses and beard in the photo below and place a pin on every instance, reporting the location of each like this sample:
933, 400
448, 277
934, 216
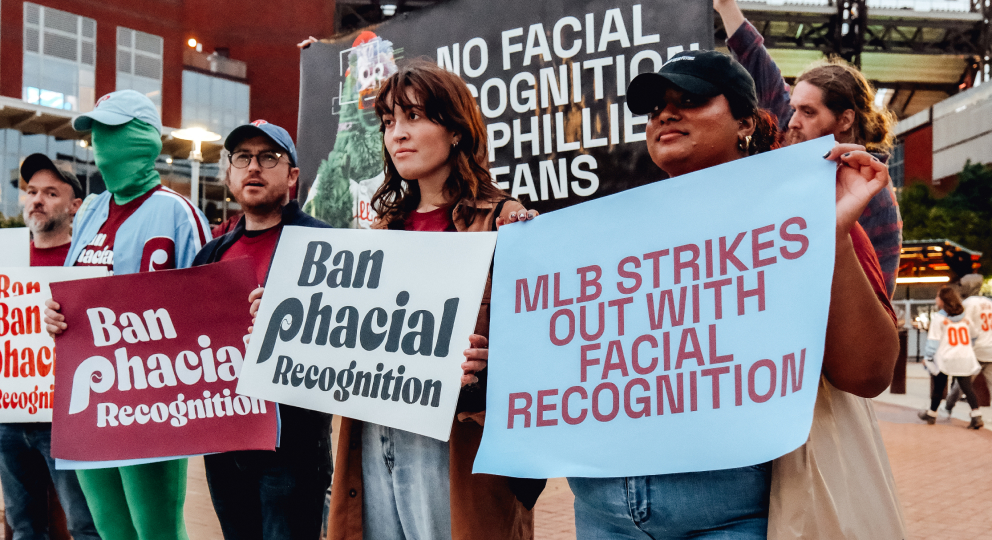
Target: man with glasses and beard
260, 494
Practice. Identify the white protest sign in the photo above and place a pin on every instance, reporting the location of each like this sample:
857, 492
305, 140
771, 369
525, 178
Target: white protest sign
28, 355
369, 324
15, 245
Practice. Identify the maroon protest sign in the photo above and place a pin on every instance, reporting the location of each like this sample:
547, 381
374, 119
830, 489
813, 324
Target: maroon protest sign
149, 363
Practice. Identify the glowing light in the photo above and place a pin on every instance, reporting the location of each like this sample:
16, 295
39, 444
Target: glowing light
911, 280
196, 134
191, 43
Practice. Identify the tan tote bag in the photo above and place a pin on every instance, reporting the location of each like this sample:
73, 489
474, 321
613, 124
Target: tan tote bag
839, 484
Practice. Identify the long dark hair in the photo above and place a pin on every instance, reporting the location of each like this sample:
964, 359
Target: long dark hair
951, 300
447, 102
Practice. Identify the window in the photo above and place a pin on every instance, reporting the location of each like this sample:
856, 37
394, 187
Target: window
214, 103
59, 59
897, 170
139, 64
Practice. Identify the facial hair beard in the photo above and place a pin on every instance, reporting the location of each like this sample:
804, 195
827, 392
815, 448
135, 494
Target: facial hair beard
794, 136
267, 205
53, 223
264, 208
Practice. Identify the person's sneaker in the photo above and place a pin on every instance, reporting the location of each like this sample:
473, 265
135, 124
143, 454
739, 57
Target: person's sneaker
926, 417
976, 423
946, 412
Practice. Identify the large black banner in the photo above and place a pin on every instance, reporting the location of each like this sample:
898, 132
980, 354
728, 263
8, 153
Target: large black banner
550, 78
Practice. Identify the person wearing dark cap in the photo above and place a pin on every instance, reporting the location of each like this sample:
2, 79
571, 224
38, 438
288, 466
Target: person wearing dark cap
703, 112
137, 225
53, 195
259, 494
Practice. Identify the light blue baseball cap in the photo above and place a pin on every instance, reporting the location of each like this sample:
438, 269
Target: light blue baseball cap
118, 108
278, 135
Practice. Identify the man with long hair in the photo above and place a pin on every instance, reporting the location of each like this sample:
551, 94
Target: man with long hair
829, 98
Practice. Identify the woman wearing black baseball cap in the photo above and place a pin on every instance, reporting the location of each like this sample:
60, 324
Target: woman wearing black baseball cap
703, 112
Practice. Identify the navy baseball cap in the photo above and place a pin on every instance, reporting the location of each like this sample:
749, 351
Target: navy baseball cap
118, 108
40, 162
704, 73
279, 136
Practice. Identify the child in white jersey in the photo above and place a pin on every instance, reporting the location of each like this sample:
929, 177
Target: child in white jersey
949, 353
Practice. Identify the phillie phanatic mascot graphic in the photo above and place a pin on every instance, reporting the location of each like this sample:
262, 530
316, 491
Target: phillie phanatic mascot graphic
352, 172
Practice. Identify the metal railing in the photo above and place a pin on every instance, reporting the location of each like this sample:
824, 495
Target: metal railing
912, 5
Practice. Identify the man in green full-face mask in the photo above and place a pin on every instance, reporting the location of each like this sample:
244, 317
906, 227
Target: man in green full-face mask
137, 225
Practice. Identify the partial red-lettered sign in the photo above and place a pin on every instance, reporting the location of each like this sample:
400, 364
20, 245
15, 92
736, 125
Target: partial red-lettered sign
149, 364
28, 356
27, 352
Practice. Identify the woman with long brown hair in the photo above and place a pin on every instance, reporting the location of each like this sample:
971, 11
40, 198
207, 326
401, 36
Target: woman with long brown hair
949, 353
392, 484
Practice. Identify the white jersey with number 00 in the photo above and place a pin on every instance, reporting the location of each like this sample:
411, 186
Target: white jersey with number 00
954, 355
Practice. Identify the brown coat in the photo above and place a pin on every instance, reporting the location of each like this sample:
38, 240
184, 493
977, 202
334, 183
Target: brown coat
482, 505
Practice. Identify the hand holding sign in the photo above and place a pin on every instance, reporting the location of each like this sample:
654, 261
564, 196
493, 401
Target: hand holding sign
54, 321
476, 358
860, 177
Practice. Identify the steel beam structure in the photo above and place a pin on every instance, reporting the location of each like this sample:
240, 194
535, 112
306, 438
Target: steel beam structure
842, 28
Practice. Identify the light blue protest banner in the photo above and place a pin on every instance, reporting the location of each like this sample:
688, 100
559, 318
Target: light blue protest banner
670, 328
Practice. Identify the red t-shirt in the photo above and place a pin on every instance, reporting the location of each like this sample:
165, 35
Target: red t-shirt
869, 263
257, 245
100, 249
49, 256
437, 220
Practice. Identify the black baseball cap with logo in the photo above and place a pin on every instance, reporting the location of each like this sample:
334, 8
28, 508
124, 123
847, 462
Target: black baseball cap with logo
704, 73
40, 162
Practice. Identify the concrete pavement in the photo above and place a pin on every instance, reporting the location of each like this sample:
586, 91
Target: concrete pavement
943, 473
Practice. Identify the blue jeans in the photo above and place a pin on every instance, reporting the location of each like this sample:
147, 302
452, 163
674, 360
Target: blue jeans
261, 495
406, 490
727, 504
26, 465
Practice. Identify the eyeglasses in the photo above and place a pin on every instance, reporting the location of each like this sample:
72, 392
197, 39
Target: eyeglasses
266, 160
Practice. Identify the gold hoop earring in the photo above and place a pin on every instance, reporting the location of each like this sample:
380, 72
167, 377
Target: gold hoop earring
744, 144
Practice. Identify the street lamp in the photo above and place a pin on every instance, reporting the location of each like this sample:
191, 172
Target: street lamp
197, 135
